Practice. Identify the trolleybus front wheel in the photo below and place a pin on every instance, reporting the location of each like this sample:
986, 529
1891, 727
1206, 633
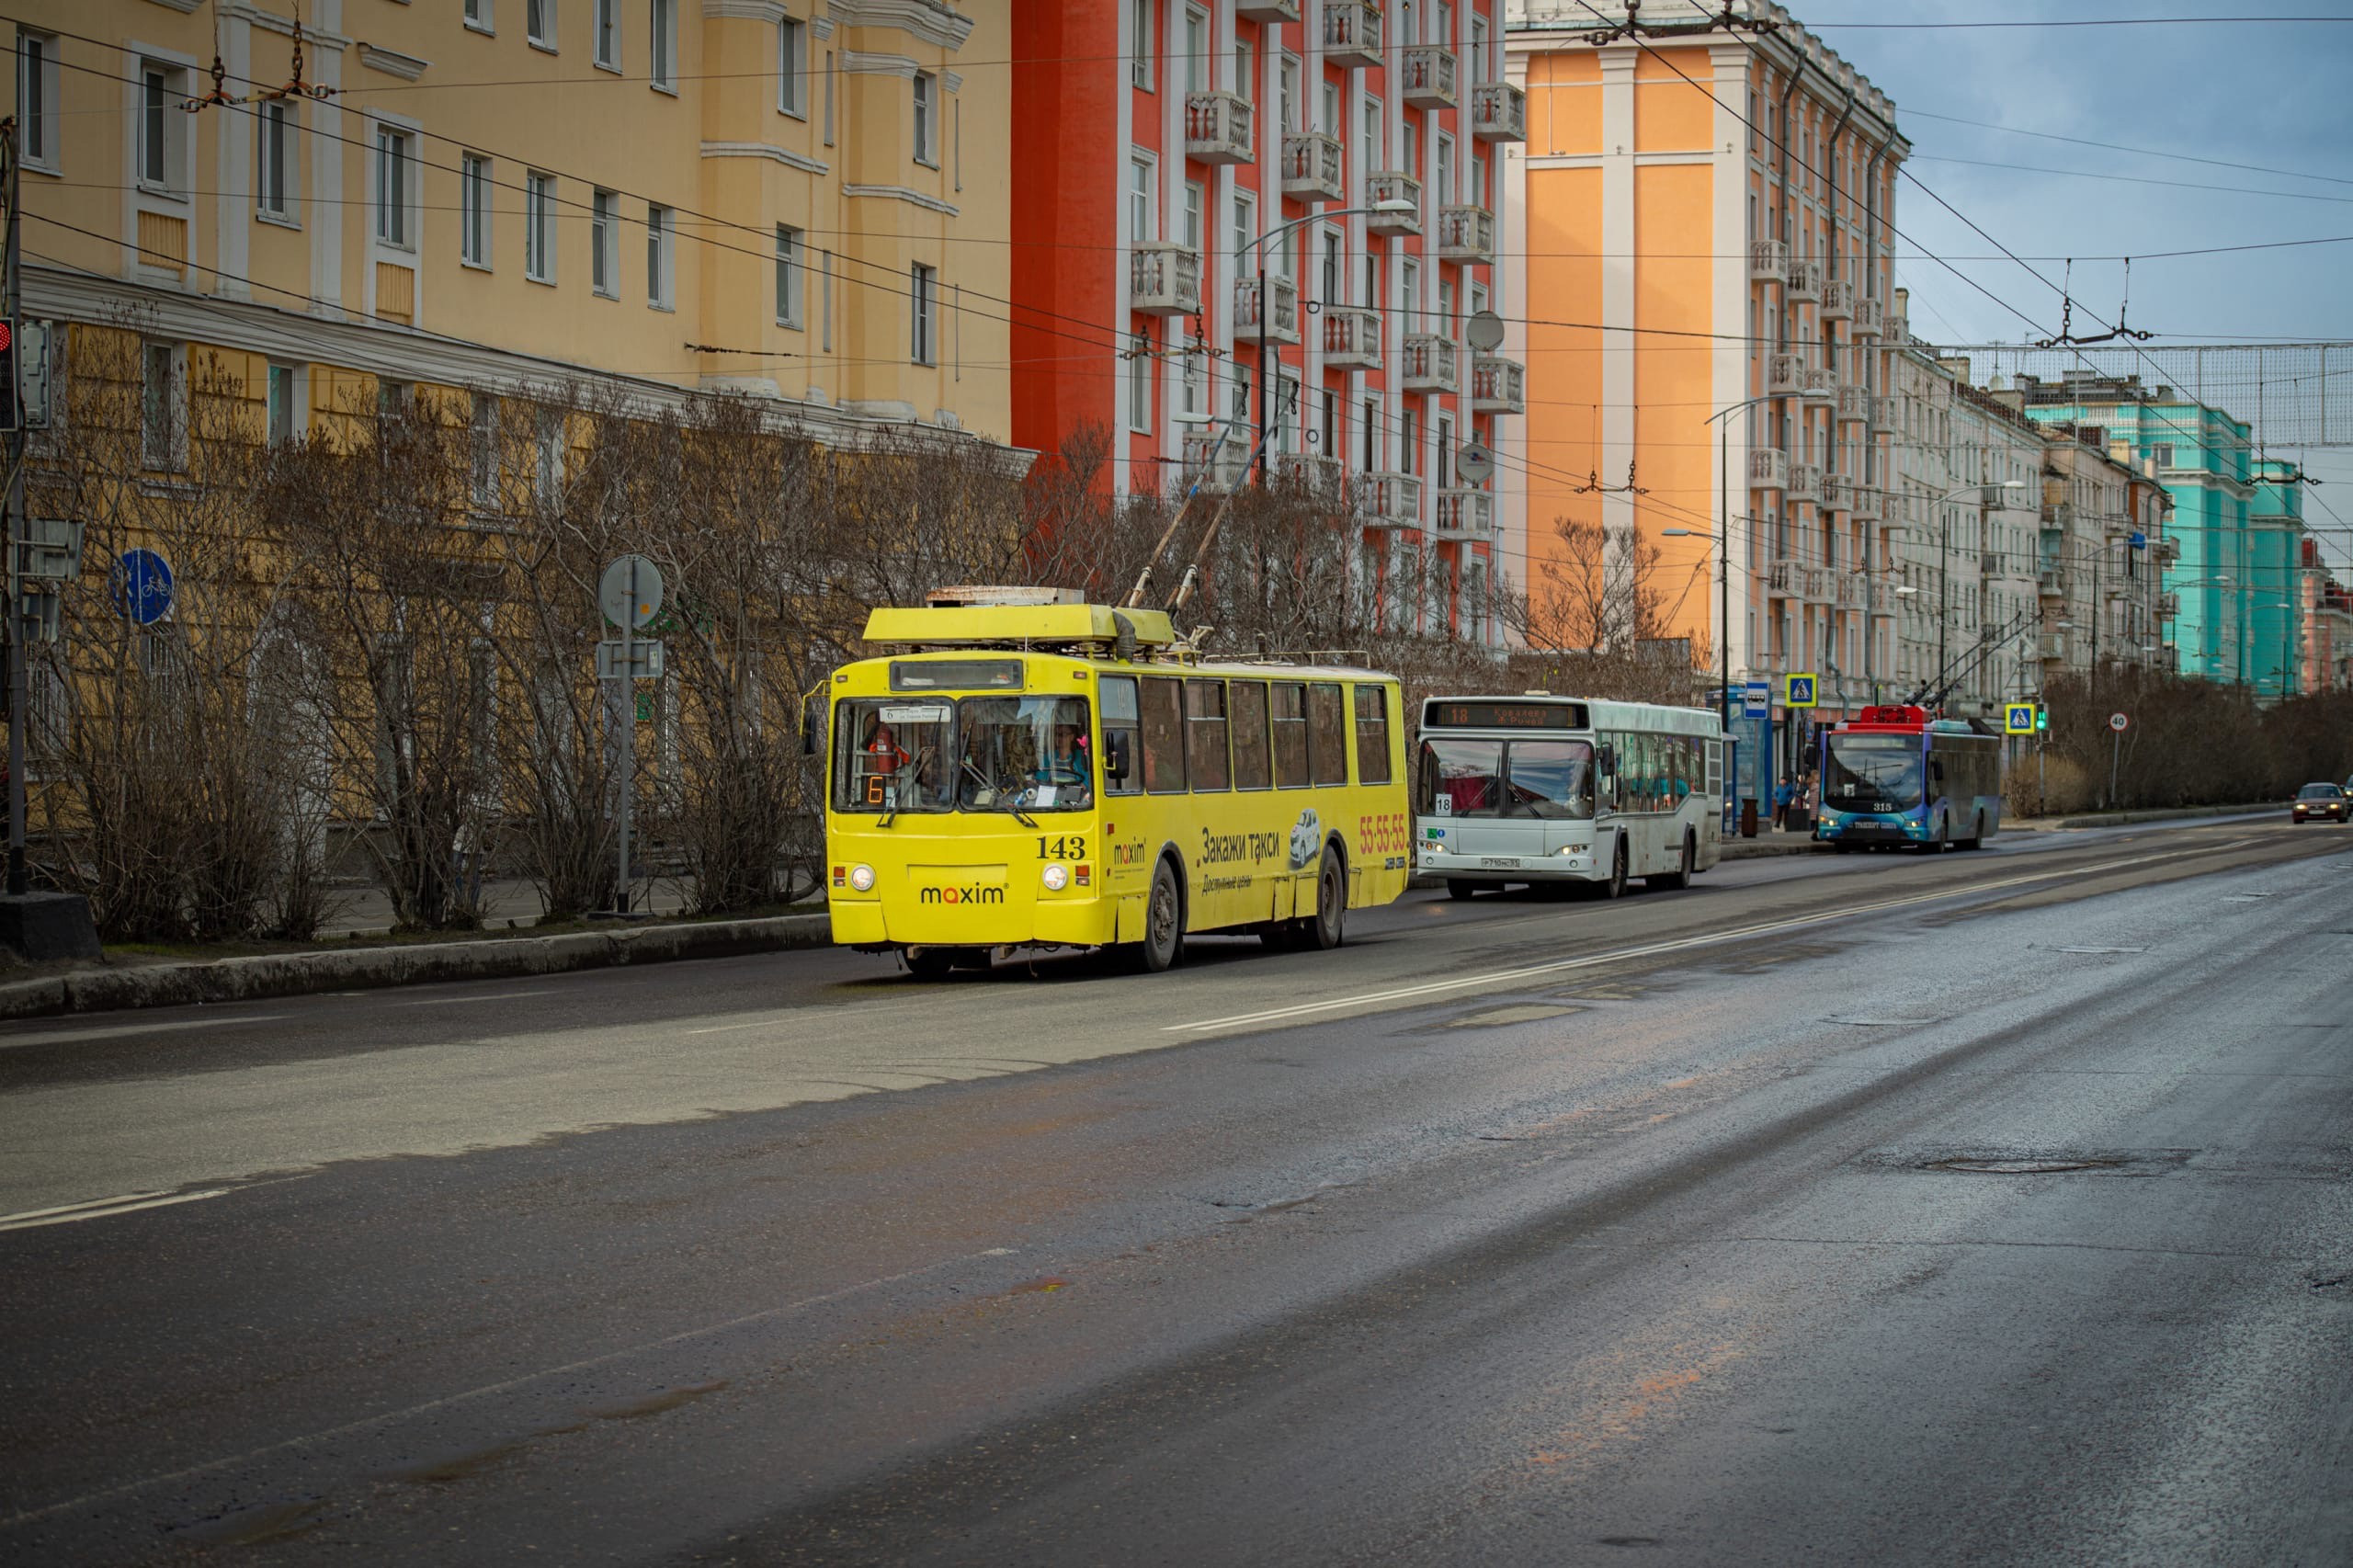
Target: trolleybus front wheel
929, 963
1164, 926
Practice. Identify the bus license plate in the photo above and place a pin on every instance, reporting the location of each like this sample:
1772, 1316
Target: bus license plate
1500, 862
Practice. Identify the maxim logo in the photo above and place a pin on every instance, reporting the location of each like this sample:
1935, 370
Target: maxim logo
974, 894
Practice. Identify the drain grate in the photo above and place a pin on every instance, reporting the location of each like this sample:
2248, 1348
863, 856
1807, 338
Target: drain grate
1989, 1165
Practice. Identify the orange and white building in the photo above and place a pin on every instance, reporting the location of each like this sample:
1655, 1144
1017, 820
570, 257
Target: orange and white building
1706, 315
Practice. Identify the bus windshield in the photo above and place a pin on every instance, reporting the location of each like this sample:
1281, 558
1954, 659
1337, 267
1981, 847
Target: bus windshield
1498, 779
1865, 770
978, 754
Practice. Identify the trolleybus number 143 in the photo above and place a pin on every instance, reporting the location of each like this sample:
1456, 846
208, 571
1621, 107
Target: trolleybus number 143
1068, 846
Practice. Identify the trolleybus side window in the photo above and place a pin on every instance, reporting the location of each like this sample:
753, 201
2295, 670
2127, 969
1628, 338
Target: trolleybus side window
1123, 759
1164, 736
1372, 735
1251, 758
1290, 734
1205, 752
1328, 730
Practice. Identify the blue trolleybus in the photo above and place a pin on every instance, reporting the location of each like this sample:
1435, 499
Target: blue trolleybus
1895, 776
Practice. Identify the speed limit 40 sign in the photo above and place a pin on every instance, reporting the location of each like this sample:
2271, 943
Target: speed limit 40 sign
2118, 722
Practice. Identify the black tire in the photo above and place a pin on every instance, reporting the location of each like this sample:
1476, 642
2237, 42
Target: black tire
1616, 886
1976, 839
1681, 876
929, 963
1327, 927
1944, 837
974, 958
1461, 888
1163, 947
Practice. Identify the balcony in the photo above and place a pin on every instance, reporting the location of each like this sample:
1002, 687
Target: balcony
1854, 405
1432, 363
1821, 384
2051, 583
1768, 261
2168, 550
1784, 375
1390, 500
1768, 469
1392, 185
1310, 471
1351, 338
1228, 473
1220, 128
1425, 76
1351, 34
1898, 330
1499, 112
1282, 317
1837, 300
2059, 515
1312, 166
1838, 493
1853, 588
1496, 385
2168, 606
1796, 580
1871, 317
1888, 412
1267, 10
1466, 234
1466, 513
1867, 504
1805, 482
2052, 647
1164, 279
1804, 281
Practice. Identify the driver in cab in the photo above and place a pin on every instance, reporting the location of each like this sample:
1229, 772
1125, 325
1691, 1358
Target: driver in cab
1066, 774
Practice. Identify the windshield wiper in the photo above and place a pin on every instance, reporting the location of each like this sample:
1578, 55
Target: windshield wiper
891, 814
1023, 818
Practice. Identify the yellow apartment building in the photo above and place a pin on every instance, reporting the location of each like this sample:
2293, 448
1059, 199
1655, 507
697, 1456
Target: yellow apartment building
805, 200
1704, 315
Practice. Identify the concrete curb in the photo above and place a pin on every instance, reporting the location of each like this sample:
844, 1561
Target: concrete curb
298, 974
2125, 819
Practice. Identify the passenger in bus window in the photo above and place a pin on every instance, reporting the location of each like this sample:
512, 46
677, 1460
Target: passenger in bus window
1067, 767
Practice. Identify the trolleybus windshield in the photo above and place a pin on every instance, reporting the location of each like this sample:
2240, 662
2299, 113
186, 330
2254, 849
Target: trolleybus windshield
977, 754
1866, 770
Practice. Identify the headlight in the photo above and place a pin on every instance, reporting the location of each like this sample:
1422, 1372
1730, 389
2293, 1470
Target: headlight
862, 878
1057, 877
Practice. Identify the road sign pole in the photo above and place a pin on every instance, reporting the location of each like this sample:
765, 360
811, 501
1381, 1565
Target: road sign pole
628, 711
2115, 755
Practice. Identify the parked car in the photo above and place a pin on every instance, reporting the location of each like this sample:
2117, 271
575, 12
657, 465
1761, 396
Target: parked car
2315, 802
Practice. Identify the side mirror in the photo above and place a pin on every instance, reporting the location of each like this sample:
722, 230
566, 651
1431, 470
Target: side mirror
812, 724
1608, 760
1936, 770
1115, 755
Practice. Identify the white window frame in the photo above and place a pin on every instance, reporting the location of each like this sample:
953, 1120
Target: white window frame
540, 24
277, 149
791, 251
393, 194
923, 315
160, 143
662, 46
604, 244
1140, 61
1245, 222
1290, 99
605, 35
1140, 364
826, 301
480, 17
473, 211
923, 100
163, 449
37, 89
1197, 198
539, 227
1144, 197
792, 69
829, 97
661, 256
284, 403
1198, 76
483, 424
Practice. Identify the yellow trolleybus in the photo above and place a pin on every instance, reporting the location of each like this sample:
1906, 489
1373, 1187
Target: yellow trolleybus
1031, 771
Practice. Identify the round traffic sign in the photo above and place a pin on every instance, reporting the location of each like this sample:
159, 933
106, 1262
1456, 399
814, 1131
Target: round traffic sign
629, 593
2117, 720
140, 586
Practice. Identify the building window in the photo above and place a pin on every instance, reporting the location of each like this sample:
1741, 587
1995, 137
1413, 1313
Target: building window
829, 97
1139, 383
162, 128
162, 429
1141, 206
478, 15
664, 47
539, 22
1245, 72
826, 301
485, 450
661, 228
791, 69
473, 210
604, 245
1196, 50
37, 98
1140, 63
609, 34
923, 313
539, 227
1194, 197
392, 157
788, 276
1245, 222
285, 404
274, 153
925, 136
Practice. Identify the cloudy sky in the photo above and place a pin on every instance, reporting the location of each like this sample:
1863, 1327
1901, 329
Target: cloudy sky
2270, 95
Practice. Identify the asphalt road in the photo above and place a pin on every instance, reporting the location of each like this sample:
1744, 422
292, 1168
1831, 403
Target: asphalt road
1991, 1208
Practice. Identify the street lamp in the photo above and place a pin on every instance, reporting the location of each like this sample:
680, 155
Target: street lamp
1395, 204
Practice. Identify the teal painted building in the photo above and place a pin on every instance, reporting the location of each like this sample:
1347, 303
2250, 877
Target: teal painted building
2238, 520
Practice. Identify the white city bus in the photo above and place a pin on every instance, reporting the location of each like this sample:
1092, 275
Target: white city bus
1543, 789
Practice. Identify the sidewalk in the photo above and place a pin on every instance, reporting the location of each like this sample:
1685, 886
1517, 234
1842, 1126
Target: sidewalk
507, 903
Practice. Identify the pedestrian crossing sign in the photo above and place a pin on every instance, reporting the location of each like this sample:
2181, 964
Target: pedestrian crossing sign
1799, 693
2018, 718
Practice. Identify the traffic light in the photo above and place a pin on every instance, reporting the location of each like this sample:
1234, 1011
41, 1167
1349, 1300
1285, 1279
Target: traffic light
2041, 720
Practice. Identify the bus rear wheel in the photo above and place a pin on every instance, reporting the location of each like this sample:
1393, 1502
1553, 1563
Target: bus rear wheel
1328, 928
1681, 876
1976, 839
1163, 947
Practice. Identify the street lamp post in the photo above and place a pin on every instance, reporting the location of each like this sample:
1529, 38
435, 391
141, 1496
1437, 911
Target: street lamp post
1398, 204
1723, 553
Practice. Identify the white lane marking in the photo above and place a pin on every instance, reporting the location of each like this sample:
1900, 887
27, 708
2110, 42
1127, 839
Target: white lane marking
456, 1001
2099, 949
103, 1208
765, 1023
428, 1407
119, 1031
1681, 944
1877, 1023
